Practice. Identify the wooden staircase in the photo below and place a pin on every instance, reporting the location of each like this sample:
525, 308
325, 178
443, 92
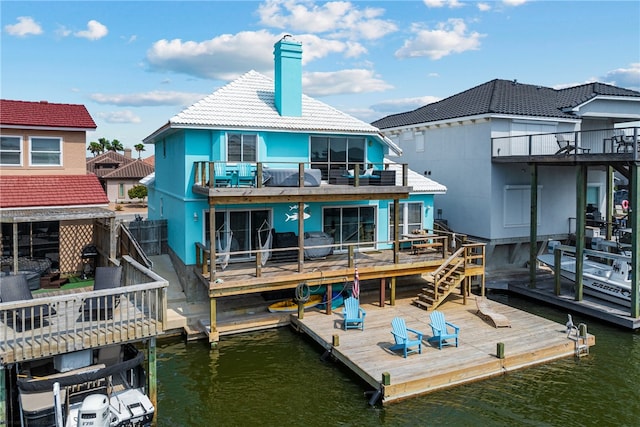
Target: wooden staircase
450, 276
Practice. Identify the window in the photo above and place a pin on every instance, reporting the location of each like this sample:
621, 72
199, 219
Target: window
239, 226
241, 147
348, 225
336, 153
46, 151
419, 142
410, 218
10, 150
121, 191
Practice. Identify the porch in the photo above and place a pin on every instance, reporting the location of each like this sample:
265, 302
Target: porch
589, 147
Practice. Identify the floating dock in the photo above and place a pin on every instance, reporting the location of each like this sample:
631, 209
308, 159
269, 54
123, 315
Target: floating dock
531, 340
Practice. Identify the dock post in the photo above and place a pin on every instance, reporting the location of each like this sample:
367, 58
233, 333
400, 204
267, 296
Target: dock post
500, 350
386, 378
152, 378
300, 310
383, 297
557, 259
335, 341
392, 296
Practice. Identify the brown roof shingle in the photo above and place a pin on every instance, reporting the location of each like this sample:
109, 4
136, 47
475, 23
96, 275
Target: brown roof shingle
44, 114
51, 190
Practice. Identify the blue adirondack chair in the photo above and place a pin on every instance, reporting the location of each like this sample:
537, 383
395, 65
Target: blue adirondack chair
400, 333
246, 175
221, 177
353, 314
442, 330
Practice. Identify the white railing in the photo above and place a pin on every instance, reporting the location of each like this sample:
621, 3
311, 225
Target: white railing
51, 325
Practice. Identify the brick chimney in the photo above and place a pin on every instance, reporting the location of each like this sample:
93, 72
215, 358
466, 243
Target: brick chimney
288, 74
127, 153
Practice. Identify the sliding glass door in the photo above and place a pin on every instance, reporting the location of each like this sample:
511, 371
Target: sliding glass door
240, 230
351, 225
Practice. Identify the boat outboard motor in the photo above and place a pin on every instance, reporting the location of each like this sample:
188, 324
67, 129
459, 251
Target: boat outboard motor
94, 411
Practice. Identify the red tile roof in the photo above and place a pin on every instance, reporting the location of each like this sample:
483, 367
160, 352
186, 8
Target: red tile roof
45, 114
51, 190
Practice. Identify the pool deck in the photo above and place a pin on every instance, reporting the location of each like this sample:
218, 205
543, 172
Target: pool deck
531, 340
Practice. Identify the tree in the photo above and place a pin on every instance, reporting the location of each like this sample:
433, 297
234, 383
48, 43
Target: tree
139, 148
138, 192
116, 146
105, 143
95, 148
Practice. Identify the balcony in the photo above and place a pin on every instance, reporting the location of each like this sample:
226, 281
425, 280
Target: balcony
139, 315
593, 146
304, 181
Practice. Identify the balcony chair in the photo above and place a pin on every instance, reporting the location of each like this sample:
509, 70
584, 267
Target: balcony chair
403, 342
353, 314
101, 308
567, 146
442, 330
221, 177
246, 175
15, 288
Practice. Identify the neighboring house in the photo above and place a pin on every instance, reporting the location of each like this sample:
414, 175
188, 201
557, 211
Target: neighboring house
276, 131
48, 203
118, 173
483, 142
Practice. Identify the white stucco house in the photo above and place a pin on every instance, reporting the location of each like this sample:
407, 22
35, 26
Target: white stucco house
483, 144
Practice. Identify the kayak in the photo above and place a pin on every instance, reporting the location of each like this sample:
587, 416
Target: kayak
289, 305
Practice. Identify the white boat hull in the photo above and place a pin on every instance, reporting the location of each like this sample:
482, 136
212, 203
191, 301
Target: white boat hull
598, 279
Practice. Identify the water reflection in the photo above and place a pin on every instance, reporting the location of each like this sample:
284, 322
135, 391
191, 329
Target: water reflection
277, 377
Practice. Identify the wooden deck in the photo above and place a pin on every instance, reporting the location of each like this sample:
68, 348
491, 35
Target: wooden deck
531, 340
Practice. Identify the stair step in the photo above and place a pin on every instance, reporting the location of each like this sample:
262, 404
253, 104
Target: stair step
422, 304
426, 298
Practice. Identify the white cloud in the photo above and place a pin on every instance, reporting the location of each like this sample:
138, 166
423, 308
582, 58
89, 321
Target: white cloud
230, 55
442, 3
124, 116
337, 19
153, 98
342, 82
393, 106
484, 7
628, 78
95, 30
25, 26
514, 2
448, 38
63, 31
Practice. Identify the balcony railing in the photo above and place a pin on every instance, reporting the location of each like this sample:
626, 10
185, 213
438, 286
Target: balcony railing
618, 141
220, 174
62, 326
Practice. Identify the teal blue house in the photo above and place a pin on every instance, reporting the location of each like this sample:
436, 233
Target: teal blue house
236, 171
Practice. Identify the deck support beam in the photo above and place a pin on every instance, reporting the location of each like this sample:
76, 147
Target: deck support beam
533, 229
3, 397
152, 377
634, 218
609, 200
581, 206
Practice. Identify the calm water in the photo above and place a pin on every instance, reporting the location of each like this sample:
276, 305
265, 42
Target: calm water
276, 377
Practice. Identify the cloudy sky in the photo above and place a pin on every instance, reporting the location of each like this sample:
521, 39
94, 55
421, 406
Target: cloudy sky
136, 64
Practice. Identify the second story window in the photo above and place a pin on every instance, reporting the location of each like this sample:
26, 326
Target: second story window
46, 151
10, 150
241, 147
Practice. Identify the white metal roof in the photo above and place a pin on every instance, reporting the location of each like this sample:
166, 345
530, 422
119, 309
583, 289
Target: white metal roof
420, 183
248, 103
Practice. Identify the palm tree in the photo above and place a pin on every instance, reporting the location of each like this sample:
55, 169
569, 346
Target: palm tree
95, 148
139, 148
105, 143
116, 146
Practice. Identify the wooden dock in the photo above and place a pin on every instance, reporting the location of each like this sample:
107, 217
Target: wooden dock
530, 341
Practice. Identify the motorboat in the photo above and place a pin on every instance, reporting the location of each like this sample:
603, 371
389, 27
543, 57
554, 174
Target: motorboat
604, 275
97, 387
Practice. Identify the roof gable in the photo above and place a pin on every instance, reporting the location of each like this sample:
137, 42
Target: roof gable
51, 190
505, 97
248, 103
136, 169
44, 114
107, 158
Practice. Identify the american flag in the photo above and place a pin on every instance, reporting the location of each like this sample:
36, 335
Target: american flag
355, 291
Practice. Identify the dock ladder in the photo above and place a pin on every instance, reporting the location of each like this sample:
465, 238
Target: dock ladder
578, 334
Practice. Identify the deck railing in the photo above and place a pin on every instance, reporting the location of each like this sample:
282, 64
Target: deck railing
602, 141
139, 312
362, 174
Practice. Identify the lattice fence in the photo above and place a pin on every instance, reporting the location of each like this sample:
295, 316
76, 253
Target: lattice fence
74, 235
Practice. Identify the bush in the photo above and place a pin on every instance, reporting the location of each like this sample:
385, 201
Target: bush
138, 192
